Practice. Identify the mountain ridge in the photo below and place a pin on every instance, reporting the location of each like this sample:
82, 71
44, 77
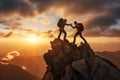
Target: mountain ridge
13, 72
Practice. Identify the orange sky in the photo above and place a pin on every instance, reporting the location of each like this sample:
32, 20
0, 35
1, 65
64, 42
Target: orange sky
37, 46
23, 19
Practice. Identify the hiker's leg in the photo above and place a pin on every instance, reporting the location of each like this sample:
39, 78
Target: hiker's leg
82, 37
65, 34
75, 37
59, 33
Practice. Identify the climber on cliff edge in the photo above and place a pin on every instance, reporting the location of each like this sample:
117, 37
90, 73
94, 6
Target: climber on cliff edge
80, 28
61, 24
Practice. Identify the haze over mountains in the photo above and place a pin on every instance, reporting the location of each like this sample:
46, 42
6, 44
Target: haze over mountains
37, 66
13, 72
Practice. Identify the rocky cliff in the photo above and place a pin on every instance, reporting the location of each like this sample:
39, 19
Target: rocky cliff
67, 61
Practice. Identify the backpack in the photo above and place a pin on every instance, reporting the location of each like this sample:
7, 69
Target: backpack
81, 26
60, 22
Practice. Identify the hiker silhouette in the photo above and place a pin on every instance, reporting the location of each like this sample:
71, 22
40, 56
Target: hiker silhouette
61, 24
80, 28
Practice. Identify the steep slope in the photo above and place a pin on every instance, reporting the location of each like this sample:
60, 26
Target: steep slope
112, 56
13, 72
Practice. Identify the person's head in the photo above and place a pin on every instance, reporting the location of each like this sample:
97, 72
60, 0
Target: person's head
61, 19
65, 20
75, 22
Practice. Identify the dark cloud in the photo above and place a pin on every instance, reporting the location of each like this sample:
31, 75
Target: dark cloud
75, 7
11, 23
42, 5
27, 7
49, 34
104, 13
103, 22
15, 6
115, 12
112, 33
92, 33
107, 33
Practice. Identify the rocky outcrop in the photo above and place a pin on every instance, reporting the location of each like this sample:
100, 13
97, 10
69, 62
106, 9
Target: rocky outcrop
67, 61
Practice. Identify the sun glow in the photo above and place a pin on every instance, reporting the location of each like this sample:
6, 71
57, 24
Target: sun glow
33, 39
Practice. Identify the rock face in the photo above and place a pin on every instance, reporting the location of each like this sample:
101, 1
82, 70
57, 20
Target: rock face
66, 61
13, 72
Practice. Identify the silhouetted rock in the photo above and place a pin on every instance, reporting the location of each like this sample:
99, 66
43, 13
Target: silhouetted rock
66, 61
13, 72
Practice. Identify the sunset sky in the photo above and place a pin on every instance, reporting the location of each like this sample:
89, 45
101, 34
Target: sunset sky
29, 24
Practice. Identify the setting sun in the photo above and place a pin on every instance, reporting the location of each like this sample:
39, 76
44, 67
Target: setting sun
33, 39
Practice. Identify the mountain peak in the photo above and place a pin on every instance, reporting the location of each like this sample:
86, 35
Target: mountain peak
68, 61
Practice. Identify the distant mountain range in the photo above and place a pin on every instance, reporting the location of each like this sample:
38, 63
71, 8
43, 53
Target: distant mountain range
32, 64
112, 56
37, 66
13, 72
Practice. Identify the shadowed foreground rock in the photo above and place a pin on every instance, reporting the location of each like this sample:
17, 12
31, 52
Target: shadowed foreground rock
13, 72
66, 61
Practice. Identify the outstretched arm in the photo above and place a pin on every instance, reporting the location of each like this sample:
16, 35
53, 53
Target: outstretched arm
70, 25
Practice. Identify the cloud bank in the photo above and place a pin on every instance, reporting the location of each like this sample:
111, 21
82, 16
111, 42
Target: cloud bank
102, 13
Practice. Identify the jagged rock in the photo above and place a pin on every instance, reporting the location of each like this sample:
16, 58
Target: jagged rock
94, 68
102, 70
48, 75
82, 67
86, 50
78, 70
69, 62
62, 51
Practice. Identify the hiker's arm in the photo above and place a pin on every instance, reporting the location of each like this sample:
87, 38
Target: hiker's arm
68, 24
72, 26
